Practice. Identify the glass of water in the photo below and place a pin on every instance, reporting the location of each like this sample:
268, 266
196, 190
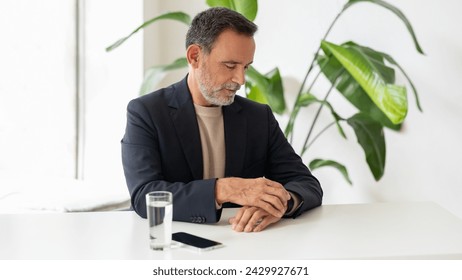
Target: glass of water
159, 208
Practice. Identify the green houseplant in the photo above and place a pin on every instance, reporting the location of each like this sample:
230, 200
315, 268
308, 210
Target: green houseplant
365, 77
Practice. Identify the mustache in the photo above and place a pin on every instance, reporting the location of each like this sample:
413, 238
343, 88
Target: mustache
231, 86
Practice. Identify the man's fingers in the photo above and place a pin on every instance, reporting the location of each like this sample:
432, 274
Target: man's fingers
245, 214
252, 219
277, 192
271, 197
268, 207
261, 192
257, 217
277, 189
234, 221
263, 224
272, 205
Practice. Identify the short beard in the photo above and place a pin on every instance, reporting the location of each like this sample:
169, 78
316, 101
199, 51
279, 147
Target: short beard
213, 95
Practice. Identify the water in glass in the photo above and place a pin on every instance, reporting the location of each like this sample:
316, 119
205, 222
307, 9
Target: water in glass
160, 224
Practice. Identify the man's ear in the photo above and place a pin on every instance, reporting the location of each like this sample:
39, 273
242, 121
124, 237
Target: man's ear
193, 53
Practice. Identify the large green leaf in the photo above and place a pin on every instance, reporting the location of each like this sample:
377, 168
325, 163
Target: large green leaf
317, 163
248, 8
178, 16
382, 57
255, 93
155, 74
390, 98
266, 87
371, 138
352, 91
396, 11
414, 90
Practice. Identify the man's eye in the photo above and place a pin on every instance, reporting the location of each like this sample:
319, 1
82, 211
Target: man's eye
230, 66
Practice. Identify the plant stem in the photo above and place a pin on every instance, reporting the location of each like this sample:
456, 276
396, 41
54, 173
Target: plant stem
304, 147
297, 107
334, 83
294, 112
319, 134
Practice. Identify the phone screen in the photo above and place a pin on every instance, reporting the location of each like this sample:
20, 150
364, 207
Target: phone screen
195, 241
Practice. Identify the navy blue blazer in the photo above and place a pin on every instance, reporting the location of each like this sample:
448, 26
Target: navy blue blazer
161, 150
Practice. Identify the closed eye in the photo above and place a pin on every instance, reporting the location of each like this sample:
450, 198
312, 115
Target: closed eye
230, 65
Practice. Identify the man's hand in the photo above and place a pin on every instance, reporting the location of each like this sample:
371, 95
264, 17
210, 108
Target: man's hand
252, 219
263, 193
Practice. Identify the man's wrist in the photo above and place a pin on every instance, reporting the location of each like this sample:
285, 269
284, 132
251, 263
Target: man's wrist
293, 204
220, 190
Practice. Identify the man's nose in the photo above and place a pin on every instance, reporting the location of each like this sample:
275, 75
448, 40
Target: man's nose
239, 76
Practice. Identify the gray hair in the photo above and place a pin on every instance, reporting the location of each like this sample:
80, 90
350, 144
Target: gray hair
209, 24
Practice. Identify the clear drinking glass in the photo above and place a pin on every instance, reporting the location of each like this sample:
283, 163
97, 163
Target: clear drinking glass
159, 209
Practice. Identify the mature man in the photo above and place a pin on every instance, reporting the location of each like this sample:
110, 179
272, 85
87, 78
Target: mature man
209, 147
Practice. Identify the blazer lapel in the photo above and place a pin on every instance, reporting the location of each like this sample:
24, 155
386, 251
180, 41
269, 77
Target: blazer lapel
235, 139
184, 119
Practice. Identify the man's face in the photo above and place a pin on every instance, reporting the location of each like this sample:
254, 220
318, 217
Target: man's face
222, 71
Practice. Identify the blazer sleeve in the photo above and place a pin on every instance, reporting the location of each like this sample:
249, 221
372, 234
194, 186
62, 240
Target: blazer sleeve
287, 168
143, 164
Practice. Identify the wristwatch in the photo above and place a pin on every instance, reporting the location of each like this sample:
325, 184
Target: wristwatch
290, 204
292, 212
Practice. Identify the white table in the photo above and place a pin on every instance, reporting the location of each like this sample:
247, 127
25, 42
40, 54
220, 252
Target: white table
418, 230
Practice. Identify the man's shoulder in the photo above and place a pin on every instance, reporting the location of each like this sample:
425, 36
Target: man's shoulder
250, 104
157, 95
160, 91
163, 96
250, 108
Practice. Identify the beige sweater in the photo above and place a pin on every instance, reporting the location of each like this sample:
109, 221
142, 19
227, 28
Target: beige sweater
212, 132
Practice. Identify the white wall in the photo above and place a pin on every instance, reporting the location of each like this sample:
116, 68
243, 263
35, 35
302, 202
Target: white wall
422, 160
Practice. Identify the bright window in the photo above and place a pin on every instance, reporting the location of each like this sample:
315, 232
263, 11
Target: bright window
62, 96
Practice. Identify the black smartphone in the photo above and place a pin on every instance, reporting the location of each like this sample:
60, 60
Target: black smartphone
195, 242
